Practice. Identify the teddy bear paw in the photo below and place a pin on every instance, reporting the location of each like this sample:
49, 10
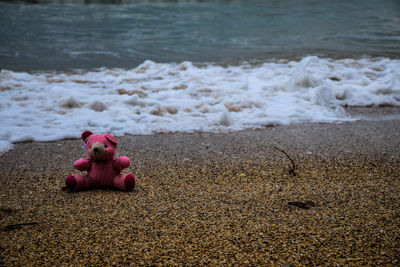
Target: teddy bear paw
70, 182
129, 182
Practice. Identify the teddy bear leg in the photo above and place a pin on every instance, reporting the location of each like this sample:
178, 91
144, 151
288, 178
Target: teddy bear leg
124, 182
70, 182
76, 182
129, 182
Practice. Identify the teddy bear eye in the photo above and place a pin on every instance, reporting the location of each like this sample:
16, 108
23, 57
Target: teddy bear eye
105, 146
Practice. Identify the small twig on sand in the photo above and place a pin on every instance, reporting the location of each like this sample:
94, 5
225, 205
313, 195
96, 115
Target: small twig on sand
292, 169
303, 205
18, 225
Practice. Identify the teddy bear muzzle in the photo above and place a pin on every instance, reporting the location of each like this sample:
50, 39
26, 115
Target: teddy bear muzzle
97, 150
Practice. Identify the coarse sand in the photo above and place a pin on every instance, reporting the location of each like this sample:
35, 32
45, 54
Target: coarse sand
212, 198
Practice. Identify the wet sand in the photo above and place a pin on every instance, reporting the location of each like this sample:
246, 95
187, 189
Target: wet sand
217, 199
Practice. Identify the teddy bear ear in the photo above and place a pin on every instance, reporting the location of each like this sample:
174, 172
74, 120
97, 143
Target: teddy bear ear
111, 139
85, 135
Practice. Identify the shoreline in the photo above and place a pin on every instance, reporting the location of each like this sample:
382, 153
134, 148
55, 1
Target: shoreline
356, 114
213, 198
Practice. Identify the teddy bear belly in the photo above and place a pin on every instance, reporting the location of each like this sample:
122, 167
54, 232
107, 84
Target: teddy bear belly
102, 174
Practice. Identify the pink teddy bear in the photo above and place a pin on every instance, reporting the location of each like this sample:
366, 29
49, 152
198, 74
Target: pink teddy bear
103, 171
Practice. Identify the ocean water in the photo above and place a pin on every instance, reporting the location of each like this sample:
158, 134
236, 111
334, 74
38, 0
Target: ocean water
144, 67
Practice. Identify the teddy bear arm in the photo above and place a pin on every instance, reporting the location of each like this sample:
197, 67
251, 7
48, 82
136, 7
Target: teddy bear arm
121, 163
82, 164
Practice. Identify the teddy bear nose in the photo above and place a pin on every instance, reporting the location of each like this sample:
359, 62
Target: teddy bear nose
97, 150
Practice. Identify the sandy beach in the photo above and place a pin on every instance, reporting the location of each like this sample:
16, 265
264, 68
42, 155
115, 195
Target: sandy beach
212, 198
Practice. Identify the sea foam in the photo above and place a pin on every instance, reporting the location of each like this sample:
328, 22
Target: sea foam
186, 97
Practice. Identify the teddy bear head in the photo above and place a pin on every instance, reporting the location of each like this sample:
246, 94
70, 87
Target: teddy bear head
99, 146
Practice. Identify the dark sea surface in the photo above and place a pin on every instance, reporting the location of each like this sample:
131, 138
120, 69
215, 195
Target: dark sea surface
62, 35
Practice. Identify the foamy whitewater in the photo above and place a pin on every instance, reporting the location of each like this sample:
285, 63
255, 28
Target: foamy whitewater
154, 98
